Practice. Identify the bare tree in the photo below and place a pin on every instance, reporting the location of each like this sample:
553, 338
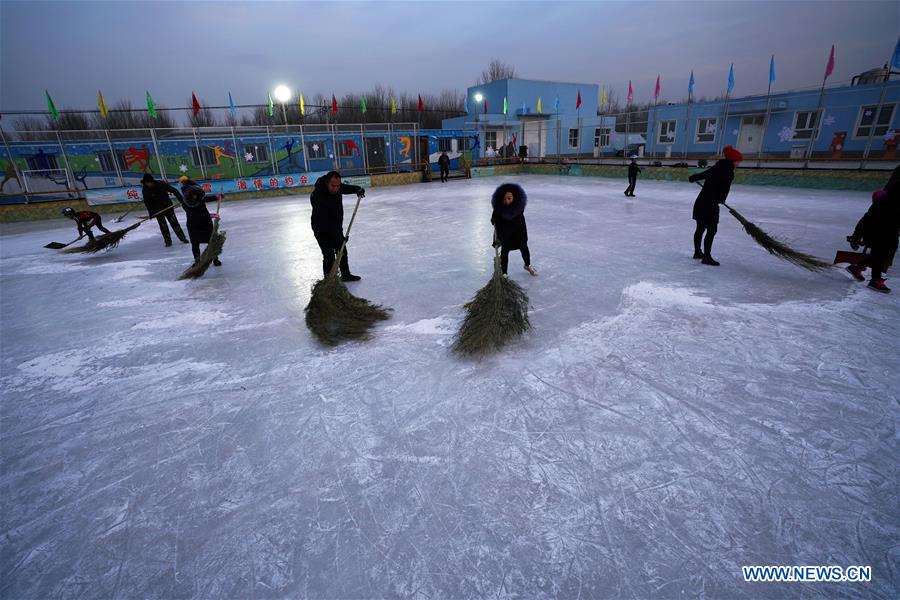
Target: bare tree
495, 71
204, 117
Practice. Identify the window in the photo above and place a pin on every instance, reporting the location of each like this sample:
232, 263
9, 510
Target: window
601, 137
490, 140
209, 157
42, 162
573, 138
462, 143
804, 124
105, 160
256, 153
445, 144
315, 150
868, 118
706, 131
667, 132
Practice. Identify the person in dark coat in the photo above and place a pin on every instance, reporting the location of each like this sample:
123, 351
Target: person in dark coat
878, 229
328, 220
508, 218
633, 171
156, 198
706, 208
444, 164
85, 219
199, 221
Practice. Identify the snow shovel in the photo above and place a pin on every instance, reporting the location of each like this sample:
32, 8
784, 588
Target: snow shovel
59, 245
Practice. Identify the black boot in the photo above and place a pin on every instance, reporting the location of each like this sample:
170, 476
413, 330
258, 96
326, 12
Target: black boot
697, 254
350, 277
217, 262
709, 260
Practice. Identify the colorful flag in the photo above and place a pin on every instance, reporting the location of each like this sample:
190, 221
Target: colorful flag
656, 91
485, 105
772, 69
466, 104
195, 106
363, 104
829, 69
393, 106
578, 102
302, 105
101, 105
691, 85
630, 94
556, 104
151, 107
51, 107
603, 97
333, 105
270, 106
231, 104
524, 108
422, 105
731, 78
539, 105
895, 62
504, 105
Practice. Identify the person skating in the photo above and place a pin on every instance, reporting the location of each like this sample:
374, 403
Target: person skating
85, 220
508, 218
199, 221
328, 220
878, 229
156, 198
706, 207
633, 171
444, 164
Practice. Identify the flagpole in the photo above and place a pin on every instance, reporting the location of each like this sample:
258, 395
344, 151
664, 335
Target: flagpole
721, 143
884, 83
687, 119
765, 119
817, 125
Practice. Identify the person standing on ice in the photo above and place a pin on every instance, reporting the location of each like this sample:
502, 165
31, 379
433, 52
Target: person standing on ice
444, 164
633, 171
508, 218
706, 207
85, 219
878, 229
156, 198
328, 220
199, 221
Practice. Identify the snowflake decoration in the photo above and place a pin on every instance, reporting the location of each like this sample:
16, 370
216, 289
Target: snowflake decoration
183, 168
890, 136
710, 127
829, 120
868, 113
331, 156
315, 147
734, 132
248, 156
97, 159
786, 134
387, 143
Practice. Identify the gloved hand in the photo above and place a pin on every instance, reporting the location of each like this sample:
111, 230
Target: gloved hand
692, 179
496, 244
855, 243
346, 238
361, 194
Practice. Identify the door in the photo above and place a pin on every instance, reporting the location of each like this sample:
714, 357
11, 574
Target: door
375, 152
534, 139
750, 137
423, 151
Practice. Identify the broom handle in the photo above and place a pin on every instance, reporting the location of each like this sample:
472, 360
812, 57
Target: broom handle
340, 255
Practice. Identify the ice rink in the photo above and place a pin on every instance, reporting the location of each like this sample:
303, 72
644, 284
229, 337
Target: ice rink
663, 424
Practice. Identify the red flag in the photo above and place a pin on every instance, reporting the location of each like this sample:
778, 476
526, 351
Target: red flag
485, 106
656, 92
578, 102
630, 96
421, 105
195, 106
830, 68
333, 105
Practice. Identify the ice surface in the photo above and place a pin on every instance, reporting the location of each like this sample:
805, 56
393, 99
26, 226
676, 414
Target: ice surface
664, 423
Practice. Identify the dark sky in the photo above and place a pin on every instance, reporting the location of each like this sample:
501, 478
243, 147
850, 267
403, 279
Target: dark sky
171, 48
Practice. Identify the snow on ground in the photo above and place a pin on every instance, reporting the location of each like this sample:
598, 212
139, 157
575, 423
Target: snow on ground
664, 424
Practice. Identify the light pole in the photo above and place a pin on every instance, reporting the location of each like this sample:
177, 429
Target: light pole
283, 94
478, 99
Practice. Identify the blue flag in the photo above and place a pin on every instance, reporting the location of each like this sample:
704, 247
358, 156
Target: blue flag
691, 84
524, 109
895, 62
731, 78
231, 103
772, 69
556, 104
466, 104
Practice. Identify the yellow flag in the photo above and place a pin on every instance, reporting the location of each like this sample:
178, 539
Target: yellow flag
102, 105
603, 97
393, 106
539, 104
302, 105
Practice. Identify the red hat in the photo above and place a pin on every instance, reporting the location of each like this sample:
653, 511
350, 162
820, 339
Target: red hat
732, 154
878, 195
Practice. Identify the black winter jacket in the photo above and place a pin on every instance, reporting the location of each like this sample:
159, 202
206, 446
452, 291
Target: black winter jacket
880, 226
509, 221
328, 209
157, 197
715, 190
633, 171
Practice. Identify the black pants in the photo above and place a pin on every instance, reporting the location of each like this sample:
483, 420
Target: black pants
99, 224
504, 256
629, 191
164, 229
330, 245
711, 229
445, 174
877, 260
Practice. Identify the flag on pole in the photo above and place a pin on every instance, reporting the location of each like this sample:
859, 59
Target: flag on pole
270, 106
485, 105
539, 105
603, 97
630, 93
772, 69
101, 105
231, 104
691, 85
363, 104
731, 78
422, 105
829, 69
333, 105
504, 105
524, 108
51, 107
195, 106
466, 104
151, 107
578, 101
556, 104
302, 106
656, 91
895, 62
393, 106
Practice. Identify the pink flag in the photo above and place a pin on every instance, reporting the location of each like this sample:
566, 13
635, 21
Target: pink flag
830, 68
656, 92
578, 102
630, 95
